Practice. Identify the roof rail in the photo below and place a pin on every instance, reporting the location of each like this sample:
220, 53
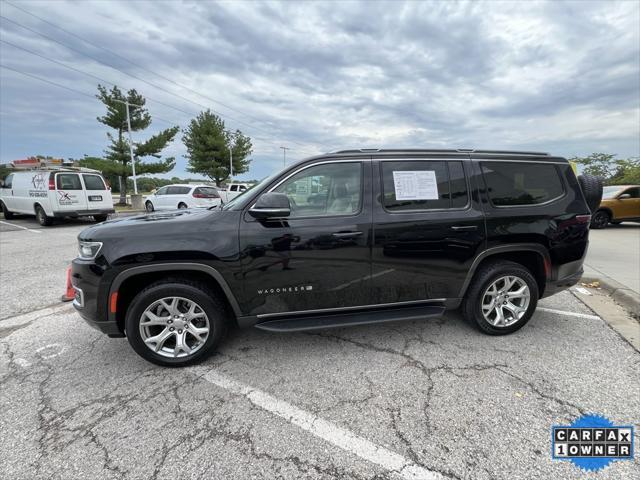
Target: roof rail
434, 150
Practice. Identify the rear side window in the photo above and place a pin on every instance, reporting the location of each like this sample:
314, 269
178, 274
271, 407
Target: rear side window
423, 185
68, 181
94, 182
513, 184
206, 192
178, 190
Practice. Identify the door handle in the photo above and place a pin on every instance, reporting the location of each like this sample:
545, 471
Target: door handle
346, 234
464, 228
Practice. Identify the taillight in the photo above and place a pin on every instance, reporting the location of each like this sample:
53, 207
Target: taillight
199, 195
583, 218
52, 181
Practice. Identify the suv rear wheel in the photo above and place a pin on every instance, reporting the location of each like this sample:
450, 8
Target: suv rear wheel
501, 298
175, 322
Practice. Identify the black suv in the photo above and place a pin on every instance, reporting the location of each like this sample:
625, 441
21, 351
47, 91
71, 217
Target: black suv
347, 238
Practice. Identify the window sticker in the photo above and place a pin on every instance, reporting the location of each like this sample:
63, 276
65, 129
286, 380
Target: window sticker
415, 185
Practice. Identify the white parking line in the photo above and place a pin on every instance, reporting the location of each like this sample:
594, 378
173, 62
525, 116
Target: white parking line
569, 314
338, 436
20, 226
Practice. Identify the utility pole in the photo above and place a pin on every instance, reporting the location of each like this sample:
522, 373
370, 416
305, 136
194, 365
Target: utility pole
230, 164
284, 155
133, 163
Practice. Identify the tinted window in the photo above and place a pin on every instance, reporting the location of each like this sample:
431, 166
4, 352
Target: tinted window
324, 190
162, 191
209, 192
234, 188
423, 185
634, 192
178, 190
68, 181
93, 182
521, 183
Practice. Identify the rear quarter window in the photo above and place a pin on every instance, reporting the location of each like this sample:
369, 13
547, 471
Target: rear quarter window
68, 181
518, 183
94, 182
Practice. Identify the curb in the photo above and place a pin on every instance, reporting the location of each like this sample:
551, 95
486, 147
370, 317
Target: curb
621, 294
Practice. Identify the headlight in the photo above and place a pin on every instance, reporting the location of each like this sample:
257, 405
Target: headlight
88, 250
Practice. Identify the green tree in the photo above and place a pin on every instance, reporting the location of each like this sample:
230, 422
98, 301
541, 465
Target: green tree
117, 160
208, 143
613, 171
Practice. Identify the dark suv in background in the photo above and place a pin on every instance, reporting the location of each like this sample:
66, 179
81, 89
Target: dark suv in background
346, 238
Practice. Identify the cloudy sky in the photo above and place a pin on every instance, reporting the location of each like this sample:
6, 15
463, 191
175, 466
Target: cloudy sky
319, 76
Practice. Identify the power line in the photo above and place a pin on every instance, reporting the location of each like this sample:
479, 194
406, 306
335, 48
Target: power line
115, 54
140, 79
36, 77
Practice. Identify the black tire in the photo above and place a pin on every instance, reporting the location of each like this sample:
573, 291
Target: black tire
204, 297
600, 219
100, 218
41, 217
5, 211
182, 206
592, 190
148, 206
482, 280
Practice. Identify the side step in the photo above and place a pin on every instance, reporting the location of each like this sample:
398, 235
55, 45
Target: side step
317, 322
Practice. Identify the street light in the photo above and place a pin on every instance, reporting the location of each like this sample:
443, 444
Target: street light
284, 155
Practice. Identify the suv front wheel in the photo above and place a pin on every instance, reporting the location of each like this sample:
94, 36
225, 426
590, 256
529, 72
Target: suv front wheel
501, 298
175, 322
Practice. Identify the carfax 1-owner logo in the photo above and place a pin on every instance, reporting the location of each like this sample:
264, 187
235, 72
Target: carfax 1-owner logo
592, 442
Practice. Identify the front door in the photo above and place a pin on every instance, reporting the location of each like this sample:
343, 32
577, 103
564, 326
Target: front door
319, 257
428, 229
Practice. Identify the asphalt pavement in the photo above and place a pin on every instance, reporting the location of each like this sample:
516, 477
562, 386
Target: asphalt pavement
423, 399
614, 252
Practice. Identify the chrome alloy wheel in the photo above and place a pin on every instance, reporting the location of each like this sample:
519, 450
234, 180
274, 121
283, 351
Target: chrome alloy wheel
505, 301
174, 327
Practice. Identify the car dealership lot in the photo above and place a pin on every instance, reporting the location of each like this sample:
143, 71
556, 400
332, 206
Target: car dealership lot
417, 399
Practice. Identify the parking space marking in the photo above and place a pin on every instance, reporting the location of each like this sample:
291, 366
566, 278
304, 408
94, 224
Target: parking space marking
569, 314
338, 436
20, 226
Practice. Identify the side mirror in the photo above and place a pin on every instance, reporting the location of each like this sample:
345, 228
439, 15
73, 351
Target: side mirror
271, 205
623, 196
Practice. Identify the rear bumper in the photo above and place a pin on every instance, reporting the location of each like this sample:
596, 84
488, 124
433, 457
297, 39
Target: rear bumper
554, 286
84, 213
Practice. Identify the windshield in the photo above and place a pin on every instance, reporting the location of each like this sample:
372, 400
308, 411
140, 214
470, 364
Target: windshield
610, 192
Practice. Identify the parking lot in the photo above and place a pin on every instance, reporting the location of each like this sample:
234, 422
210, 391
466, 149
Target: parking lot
423, 399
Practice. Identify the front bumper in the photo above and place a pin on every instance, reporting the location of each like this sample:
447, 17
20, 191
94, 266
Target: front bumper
91, 298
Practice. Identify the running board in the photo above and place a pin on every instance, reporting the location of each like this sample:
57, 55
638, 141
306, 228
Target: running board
317, 322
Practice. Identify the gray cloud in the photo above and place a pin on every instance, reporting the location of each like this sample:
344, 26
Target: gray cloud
322, 75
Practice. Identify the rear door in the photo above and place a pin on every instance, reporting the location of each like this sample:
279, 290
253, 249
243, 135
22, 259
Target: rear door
98, 196
69, 193
428, 228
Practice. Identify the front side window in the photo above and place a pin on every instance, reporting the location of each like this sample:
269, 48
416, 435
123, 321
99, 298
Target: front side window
514, 184
162, 191
325, 190
94, 182
8, 182
423, 185
68, 181
633, 192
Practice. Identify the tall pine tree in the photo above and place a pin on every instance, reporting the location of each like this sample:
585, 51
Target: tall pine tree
208, 143
117, 160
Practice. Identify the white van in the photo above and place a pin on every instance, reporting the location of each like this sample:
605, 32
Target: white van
235, 189
51, 193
